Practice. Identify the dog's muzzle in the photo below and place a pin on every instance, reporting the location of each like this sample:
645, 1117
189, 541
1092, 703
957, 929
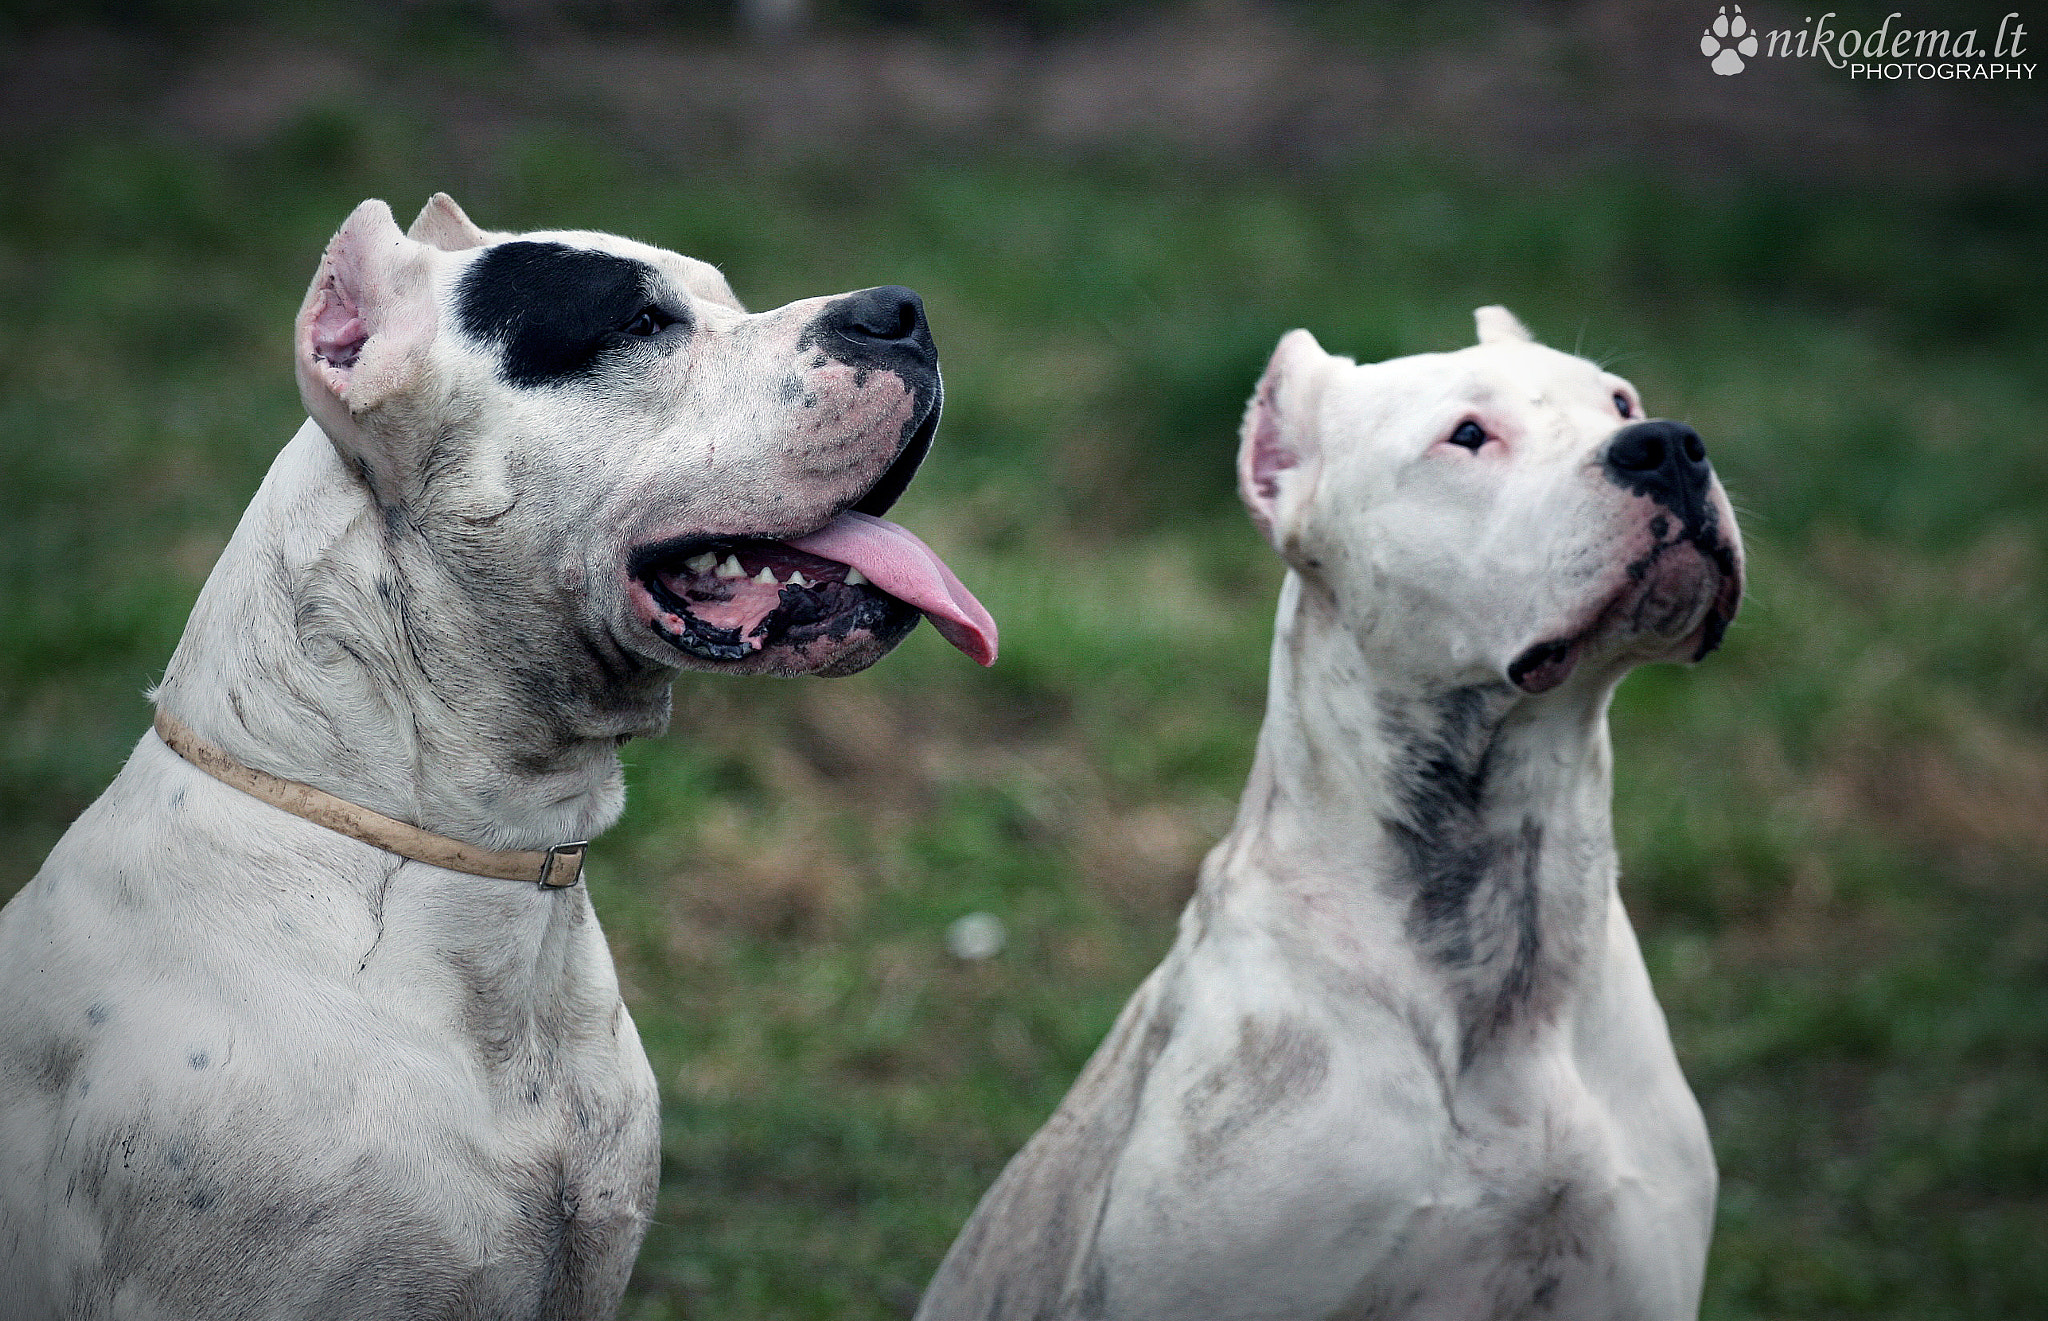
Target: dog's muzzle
885, 329
1688, 584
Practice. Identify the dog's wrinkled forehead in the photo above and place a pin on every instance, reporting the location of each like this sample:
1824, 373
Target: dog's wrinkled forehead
1503, 381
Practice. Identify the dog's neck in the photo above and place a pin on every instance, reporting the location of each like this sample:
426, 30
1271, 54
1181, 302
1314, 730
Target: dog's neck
332, 645
1469, 825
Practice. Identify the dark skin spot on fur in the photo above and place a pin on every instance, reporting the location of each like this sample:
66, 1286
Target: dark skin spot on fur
357, 1238
57, 1062
1440, 777
1515, 923
1470, 883
1094, 1287
1274, 1067
1547, 1228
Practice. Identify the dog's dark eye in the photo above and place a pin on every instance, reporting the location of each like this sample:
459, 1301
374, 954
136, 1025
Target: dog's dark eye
650, 321
1469, 434
1621, 405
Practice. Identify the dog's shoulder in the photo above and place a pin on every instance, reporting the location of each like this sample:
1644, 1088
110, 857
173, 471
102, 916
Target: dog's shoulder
1028, 1249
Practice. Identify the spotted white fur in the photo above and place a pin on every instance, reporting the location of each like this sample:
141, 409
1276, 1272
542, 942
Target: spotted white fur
251, 1068
1404, 1060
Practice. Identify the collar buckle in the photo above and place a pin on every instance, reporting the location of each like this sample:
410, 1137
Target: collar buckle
563, 866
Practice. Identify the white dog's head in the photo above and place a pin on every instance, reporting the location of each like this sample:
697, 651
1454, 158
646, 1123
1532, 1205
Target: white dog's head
603, 443
1498, 514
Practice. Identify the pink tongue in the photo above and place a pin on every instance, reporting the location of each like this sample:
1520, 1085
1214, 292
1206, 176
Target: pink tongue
897, 562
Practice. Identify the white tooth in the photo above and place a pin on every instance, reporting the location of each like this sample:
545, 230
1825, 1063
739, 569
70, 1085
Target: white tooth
855, 578
701, 563
731, 568
797, 579
767, 575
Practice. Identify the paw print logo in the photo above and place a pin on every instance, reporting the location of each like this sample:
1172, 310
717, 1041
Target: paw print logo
1728, 40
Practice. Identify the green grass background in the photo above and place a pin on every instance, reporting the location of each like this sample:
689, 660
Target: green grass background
1833, 832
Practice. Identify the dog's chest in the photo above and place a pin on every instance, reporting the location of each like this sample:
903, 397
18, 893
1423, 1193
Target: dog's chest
468, 1202
1314, 1165
387, 1137
1521, 1220
1515, 1225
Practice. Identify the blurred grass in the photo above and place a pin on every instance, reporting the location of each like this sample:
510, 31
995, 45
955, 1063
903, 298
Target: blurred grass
1833, 832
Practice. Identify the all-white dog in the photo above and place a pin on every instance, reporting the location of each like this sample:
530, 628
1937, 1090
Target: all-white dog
1404, 1060
307, 1016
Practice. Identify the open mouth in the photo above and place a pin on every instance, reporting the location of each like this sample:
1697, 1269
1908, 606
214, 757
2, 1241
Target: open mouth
1689, 599
829, 601
733, 599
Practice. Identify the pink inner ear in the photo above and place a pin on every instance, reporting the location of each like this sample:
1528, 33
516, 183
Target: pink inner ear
1269, 455
337, 330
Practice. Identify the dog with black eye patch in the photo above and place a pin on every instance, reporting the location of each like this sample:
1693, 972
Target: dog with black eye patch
309, 1015
1404, 1060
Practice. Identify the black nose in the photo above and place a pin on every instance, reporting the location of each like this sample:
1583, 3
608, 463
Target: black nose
1666, 461
886, 324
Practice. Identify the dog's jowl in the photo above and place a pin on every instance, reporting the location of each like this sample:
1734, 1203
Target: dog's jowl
1404, 1060
308, 1016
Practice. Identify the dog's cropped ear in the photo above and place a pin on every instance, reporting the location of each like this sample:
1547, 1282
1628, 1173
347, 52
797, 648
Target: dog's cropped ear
1279, 455
1497, 325
362, 338
443, 225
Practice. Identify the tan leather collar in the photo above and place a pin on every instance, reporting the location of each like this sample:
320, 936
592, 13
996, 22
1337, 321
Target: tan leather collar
557, 868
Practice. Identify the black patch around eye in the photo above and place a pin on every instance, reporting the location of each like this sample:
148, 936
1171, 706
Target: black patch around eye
1621, 405
553, 309
1469, 434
